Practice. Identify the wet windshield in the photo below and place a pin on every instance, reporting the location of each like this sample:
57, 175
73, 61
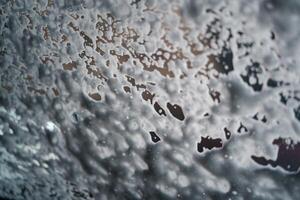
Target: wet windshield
146, 99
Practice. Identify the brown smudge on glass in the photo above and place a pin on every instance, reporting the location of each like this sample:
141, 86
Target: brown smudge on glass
222, 63
74, 28
195, 50
46, 59
133, 83
183, 75
98, 49
130, 80
95, 96
126, 89
154, 137
46, 33
176, 111
74, 16
108, 23
36, 91
148, 96
70, 66
64, 38
96, 73
29, 77
215, 95
90, 59
55, 91
87, 40
167, 42
148, 63
121, 58
50, 3
30, 23
209, 143
159, 109
166, 56
107, 63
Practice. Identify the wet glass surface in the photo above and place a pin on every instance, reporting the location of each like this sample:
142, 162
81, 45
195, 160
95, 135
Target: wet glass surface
151, 99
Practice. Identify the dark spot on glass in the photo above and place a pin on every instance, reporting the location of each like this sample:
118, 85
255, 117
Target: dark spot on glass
148, 96
283, 99
297, 113
222, 63
95, 96
154, 137
96, 73
131, 80
264, 119
206, 115
70, 66
193, 9
55, 91
126, 89
36, 91
151, 83
252, 72
159, 109
272, 35
75, 117
242, 127
135, 2
209, 143
215, 95
87, 40
245, 44
273, 83
227, 133
255, 116
209, 10
79, 193
288, 155
230, 36
176, 111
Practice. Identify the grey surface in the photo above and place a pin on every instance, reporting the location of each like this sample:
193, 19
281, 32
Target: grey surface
70, 146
